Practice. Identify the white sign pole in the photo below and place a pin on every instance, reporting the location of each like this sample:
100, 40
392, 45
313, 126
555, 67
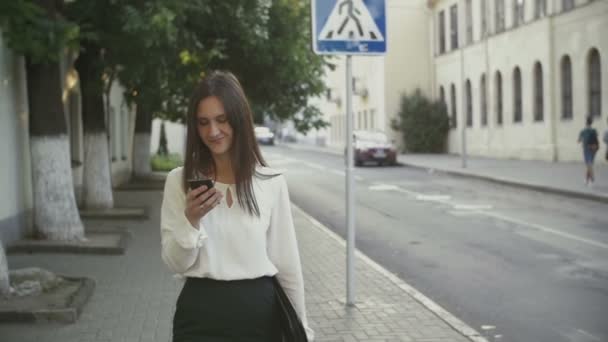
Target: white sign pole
350, 188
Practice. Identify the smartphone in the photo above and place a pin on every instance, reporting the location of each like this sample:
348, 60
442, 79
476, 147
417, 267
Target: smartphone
196, 183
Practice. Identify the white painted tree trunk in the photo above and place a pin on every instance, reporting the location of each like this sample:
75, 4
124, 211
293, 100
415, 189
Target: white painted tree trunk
55, 212
5, 286
97, 182
141, 154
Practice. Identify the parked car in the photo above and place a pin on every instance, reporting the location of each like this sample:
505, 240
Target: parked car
264, 135
373, 146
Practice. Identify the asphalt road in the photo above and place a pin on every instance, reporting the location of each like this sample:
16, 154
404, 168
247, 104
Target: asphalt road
516, 265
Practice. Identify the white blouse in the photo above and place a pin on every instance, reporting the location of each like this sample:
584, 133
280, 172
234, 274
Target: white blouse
230, 244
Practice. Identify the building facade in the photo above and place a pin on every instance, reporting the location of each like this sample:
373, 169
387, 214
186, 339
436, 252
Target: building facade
379, 81
519, 77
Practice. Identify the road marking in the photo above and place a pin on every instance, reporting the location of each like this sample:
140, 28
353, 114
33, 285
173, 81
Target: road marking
546, 229
383, 187
433, 198
472, 206
445, 315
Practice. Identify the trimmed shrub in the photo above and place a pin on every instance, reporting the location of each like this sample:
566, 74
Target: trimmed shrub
165, 163
423, 123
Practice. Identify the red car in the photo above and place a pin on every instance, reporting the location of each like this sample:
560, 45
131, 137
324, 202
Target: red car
374, 146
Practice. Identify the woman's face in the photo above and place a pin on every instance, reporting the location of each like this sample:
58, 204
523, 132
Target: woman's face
213, 126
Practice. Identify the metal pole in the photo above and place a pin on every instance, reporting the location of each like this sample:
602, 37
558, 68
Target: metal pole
350, 189
463, 123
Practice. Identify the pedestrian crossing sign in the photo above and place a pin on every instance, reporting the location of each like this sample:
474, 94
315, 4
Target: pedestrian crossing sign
349, 27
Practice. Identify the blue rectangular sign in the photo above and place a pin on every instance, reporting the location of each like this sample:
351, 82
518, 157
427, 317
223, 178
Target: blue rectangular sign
349, 27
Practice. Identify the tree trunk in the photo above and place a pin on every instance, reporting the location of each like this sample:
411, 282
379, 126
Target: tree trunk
55, 212
5, 286
141, 144
97, 181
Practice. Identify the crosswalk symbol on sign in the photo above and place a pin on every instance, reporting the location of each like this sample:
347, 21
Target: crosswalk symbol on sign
350, 20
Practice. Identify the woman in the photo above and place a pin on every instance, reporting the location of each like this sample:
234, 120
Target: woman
232, 240
588, 138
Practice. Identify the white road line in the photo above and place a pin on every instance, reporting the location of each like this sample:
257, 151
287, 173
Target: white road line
445, 315
383, 187
472, 206
546, 229
315, 166
433, 198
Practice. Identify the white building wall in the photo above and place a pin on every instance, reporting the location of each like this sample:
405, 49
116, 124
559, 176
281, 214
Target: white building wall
121, 127
544, 40
408, 62
176, 137
16, 203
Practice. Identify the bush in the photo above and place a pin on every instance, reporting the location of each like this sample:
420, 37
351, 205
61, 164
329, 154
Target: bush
423, 123
165, 163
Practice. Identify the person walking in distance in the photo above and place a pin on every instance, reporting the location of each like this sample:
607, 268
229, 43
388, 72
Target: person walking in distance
232, 239
606, 141
589, 140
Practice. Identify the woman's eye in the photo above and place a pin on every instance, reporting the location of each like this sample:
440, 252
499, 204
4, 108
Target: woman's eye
222, 120
203, 123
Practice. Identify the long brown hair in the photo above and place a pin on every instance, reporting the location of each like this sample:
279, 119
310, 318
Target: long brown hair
244, 153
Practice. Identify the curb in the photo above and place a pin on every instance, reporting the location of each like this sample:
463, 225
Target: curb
509, 182
455, 323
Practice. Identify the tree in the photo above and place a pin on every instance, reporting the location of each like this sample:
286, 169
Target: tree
424, 123
36, 30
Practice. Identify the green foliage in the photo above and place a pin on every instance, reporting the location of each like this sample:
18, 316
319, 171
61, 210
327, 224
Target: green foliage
36, 33
424, 123
165, 163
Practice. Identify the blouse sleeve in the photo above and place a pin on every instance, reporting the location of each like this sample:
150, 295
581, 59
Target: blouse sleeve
283, 252
180, 241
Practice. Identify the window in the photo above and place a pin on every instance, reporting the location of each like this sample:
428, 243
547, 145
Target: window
538, 92
540, 8
518, 12
469, 104
441, 32
595, 83
484, 21
372, 118
469, 16
498, 98
454, 121
441, 95
517, 105
500, 15
454, 27
483, 104
567, 5
566, 81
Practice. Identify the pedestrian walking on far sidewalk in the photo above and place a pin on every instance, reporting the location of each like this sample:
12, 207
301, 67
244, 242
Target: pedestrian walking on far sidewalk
233, 239
606, 141
590, 143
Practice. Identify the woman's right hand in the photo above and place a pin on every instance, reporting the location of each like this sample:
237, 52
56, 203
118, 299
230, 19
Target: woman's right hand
199, 202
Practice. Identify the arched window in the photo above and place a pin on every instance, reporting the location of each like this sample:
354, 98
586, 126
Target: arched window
566, 82
483, 104
538, 92
469, 104
498, 82
454, 121
517, 104
595, 83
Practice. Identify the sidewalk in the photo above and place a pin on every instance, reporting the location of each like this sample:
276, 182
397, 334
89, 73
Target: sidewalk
564, 178
135, 293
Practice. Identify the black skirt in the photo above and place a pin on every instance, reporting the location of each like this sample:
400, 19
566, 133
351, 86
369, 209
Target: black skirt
220, 311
